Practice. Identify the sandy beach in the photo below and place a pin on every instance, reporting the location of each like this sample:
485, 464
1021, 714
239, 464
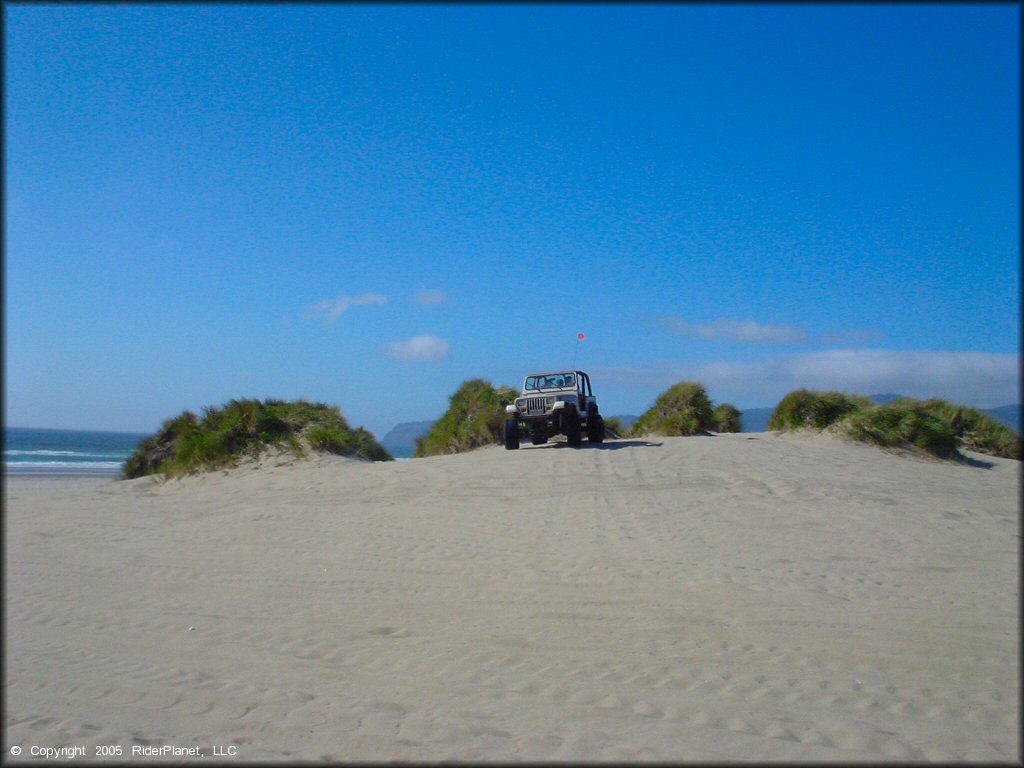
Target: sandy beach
735, 597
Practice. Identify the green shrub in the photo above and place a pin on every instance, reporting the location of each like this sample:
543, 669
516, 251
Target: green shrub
244, 428
682, 409
346, 442
727, 418
475, 418
902, 423
155, 451
329, 439
977, 431
810, 408
935, 425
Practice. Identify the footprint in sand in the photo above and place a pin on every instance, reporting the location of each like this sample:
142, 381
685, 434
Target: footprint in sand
390, 632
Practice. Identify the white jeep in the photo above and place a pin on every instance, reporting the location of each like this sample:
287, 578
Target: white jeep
554, 404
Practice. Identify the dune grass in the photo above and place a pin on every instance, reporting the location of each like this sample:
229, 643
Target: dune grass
935, 426
475, 418
977, 430
682, 409
727, 418
807, 408
239, 428
903, 423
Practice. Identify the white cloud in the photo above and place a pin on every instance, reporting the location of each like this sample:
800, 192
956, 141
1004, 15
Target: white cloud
430, 296
728, 329
851, 337
332, 309
424, 348
971, 377
974, 378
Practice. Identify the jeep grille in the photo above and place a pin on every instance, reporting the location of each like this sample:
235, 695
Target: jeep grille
535, 405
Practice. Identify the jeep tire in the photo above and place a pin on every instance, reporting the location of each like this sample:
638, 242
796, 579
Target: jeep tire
511, 434
571, 426
595, 428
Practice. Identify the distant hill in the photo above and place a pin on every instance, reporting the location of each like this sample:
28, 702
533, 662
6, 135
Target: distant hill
401, 440
1010, 415
756, 419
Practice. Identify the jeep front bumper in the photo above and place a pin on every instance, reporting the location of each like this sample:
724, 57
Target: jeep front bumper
535, 408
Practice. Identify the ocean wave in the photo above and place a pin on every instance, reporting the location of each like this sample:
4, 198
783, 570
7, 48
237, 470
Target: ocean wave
62, 467
79, 454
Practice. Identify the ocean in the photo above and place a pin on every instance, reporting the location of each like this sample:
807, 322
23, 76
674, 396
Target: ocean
66, 451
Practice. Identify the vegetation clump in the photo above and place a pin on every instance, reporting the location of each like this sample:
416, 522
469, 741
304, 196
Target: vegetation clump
903, 423
977, 431
240, 428
727, 418
817, 410
934, 426
475, 417
682, 409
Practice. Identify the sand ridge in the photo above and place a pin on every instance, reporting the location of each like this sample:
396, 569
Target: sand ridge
732, 597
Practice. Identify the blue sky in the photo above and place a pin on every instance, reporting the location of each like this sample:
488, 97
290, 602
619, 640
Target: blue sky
367, 205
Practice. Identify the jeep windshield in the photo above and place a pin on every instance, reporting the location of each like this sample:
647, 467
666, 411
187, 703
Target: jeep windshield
550, 381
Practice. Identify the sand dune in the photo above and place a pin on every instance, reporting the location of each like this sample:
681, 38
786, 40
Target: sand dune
737, 597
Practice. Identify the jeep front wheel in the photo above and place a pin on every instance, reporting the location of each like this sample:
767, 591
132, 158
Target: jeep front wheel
571, 426
511, 435
595, 428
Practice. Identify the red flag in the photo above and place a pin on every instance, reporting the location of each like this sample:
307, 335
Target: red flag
580, 336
